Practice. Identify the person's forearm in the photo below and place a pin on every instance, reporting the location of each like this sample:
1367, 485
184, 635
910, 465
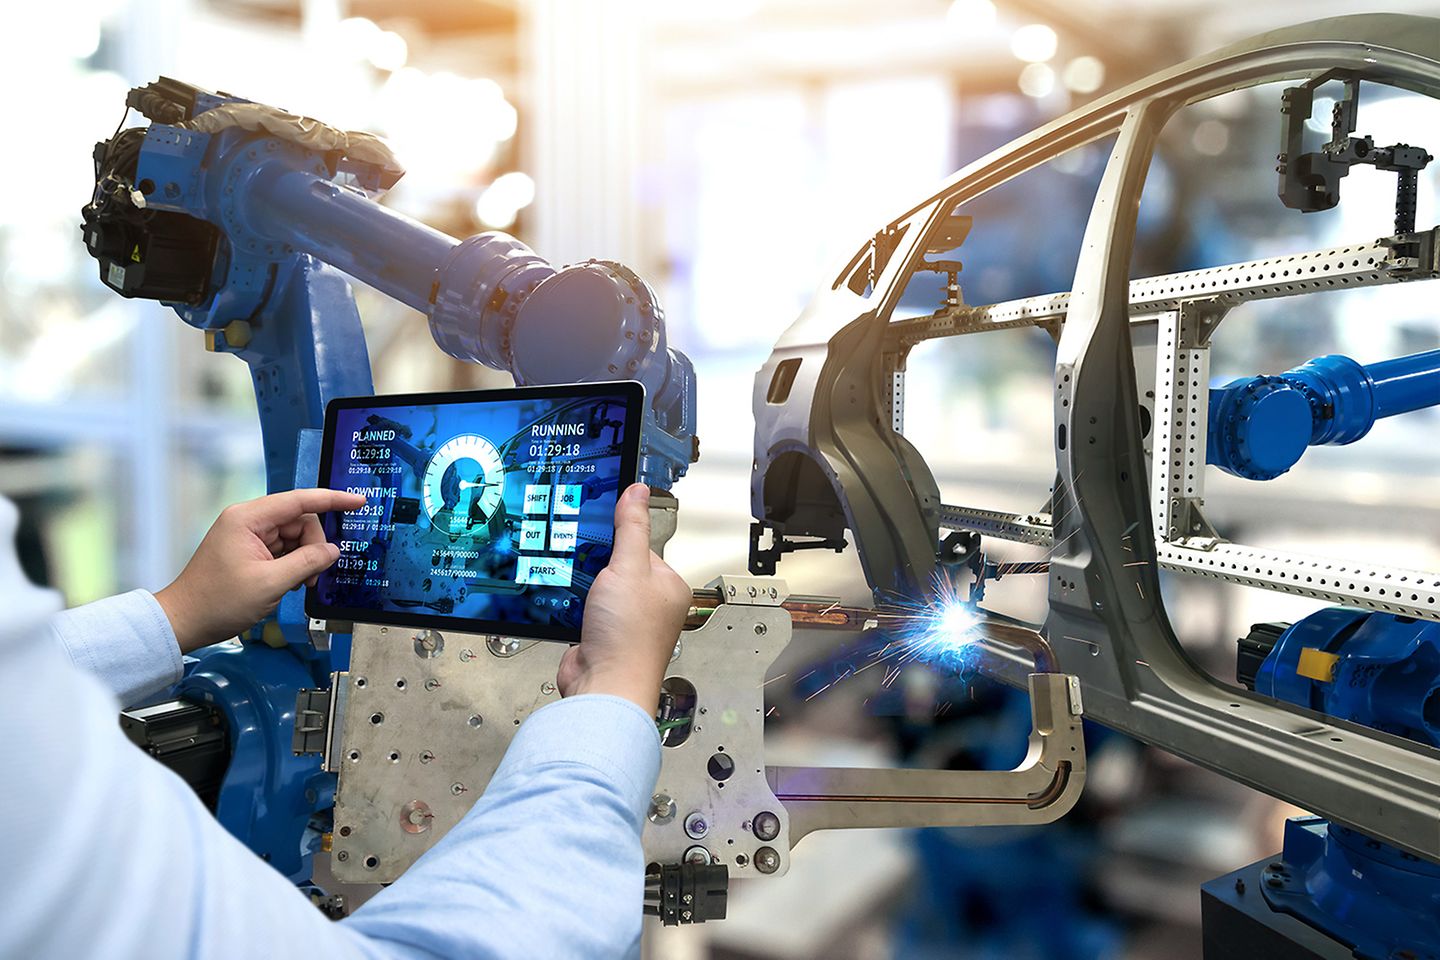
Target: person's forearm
125, 640
549, 862
131, 851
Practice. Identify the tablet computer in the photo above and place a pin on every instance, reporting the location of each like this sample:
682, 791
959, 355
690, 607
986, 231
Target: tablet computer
488, 511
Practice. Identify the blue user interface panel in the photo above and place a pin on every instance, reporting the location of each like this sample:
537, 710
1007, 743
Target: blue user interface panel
489, 512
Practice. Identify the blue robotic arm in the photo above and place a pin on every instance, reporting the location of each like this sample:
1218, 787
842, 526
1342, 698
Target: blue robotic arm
245, 219
1260, 426
229, 211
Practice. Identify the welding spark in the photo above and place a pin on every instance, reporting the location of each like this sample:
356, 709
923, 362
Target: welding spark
940, 630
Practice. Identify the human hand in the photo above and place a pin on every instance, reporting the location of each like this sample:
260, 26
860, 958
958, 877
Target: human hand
633, 615
255, 553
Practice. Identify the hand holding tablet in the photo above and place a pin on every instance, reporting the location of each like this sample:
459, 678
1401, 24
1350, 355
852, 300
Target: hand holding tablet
486, 511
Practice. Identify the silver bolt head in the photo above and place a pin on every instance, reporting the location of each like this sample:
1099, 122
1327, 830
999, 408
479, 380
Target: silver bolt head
766, 826
502, 646
432, 684
767, 860
457, 788
662, 809
467, 655
698, 854
548, 687
695, 826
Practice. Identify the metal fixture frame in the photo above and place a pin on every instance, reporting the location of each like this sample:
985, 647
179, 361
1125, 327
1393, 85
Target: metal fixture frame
426, 730
829, 456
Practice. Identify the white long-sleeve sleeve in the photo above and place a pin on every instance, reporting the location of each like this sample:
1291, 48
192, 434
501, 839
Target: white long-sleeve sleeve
111, 855
126, 641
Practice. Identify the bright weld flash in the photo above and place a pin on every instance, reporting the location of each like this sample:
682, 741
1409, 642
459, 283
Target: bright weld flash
954, 626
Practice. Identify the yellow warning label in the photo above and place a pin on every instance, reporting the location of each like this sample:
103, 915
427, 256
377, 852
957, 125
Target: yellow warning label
135, 254
1317, 665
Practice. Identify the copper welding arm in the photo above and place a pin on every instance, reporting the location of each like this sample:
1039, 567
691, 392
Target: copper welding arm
828, 613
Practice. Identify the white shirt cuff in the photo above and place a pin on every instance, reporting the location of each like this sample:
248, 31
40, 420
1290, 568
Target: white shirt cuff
124, 640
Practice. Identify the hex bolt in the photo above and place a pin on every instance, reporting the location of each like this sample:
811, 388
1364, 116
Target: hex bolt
662, 809
766, 860
695, 826
685, 915
753, 591
457, 788
502, 646
766, 826
428, 644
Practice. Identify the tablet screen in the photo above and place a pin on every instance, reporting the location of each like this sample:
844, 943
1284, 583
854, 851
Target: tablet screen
487, 512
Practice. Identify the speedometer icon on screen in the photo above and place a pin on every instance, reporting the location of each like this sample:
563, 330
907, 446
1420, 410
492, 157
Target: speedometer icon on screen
463, 485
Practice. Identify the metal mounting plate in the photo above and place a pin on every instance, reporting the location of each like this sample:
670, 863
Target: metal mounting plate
428, 747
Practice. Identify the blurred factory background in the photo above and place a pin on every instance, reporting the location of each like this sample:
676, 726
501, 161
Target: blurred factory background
736, 153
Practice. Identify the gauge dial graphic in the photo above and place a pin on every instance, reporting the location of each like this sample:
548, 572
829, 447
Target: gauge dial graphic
463, 485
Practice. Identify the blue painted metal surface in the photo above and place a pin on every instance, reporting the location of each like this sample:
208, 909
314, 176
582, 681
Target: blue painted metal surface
1381, 902
490, 299
1260, 426
299, 332
1387, 675
270, 796
1377, 899
292, 219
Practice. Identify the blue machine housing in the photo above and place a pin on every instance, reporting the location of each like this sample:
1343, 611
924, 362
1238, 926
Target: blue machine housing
292, 217
1387, 674
1260, 426
1381, 902
1380, 670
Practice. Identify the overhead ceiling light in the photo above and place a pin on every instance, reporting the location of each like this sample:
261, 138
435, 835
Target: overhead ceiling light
1084, 75
1211, 137
503, 200
1034, 43
388, 51
971, 15
362, 39
1037, 80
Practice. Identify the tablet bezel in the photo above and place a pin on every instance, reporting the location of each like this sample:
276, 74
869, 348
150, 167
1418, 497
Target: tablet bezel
633, 393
